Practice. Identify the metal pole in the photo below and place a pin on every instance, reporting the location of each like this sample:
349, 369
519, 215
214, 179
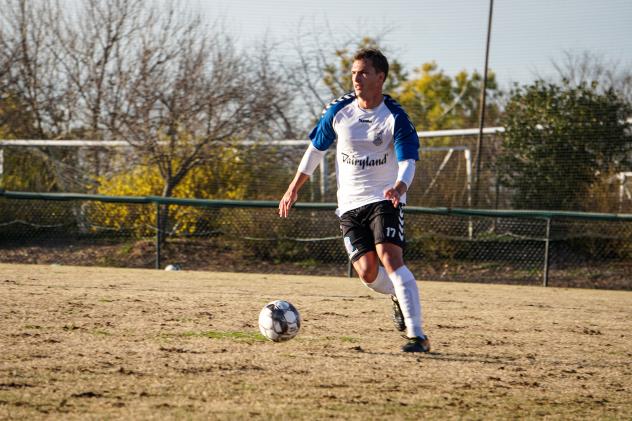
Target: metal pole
158, 235
481, 121
545, 280
468, 172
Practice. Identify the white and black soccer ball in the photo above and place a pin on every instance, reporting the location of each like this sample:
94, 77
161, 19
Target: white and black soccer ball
173, 267
279, 321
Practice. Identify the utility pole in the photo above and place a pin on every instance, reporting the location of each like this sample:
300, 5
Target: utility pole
481, 120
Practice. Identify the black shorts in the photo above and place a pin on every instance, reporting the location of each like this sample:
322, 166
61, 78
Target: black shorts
375, 223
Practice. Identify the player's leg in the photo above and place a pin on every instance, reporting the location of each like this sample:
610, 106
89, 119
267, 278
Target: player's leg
407, 293
391, 260
388, 230
405, 286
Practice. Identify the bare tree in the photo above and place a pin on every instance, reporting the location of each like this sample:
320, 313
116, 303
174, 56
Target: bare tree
187, 93
175, 89
588, 67
282, 118
34, 72
14, 121
305, 72
91, 47
35, 79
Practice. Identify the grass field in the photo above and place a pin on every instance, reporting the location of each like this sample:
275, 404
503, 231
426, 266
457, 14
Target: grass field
99, 343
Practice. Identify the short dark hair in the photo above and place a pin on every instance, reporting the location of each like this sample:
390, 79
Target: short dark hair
375, 56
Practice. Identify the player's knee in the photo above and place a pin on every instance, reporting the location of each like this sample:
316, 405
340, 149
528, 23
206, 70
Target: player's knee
367, 268
367, 274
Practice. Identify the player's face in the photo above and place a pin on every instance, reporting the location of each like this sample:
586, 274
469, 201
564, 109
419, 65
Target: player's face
367, 82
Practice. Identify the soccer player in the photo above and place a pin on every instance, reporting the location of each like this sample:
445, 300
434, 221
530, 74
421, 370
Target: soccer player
376, 150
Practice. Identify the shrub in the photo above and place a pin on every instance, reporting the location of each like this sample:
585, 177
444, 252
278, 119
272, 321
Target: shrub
557, 141
221, 180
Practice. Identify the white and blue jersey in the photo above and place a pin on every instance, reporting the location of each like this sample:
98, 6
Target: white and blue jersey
369, 144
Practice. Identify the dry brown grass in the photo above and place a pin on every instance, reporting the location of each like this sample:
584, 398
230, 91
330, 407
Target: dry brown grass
87, 342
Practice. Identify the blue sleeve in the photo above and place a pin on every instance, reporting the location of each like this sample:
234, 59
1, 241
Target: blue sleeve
406, 139
405, 135
323, 135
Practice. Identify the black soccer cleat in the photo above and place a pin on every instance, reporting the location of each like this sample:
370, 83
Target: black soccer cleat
398, 317
418, 344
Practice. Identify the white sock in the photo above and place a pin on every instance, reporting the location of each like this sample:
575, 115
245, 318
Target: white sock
382, 283
408, 296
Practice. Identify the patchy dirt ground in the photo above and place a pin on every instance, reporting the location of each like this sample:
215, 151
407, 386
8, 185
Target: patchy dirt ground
88, 343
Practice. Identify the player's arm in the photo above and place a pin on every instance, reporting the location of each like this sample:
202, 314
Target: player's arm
407, 151
322, 136
405, 175
310, 161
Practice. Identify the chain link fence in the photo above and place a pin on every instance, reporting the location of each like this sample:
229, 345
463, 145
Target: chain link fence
531, 248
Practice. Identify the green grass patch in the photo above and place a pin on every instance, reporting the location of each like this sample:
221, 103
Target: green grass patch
348, 339
236, 336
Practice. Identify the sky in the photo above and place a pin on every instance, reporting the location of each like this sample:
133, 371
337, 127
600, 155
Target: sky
526, 35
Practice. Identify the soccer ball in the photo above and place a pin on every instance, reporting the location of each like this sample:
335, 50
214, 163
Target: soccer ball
279, 321
173, 267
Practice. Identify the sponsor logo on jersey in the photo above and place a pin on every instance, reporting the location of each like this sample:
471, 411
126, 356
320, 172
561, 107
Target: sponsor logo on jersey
365, 120
363, 163
377, 140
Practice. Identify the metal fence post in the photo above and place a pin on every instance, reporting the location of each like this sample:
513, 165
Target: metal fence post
545, 280
158, 235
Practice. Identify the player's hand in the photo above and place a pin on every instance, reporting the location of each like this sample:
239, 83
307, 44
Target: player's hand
393, 195
286, 202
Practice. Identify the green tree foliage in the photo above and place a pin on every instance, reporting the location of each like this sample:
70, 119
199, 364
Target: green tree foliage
559, 140
435, 100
